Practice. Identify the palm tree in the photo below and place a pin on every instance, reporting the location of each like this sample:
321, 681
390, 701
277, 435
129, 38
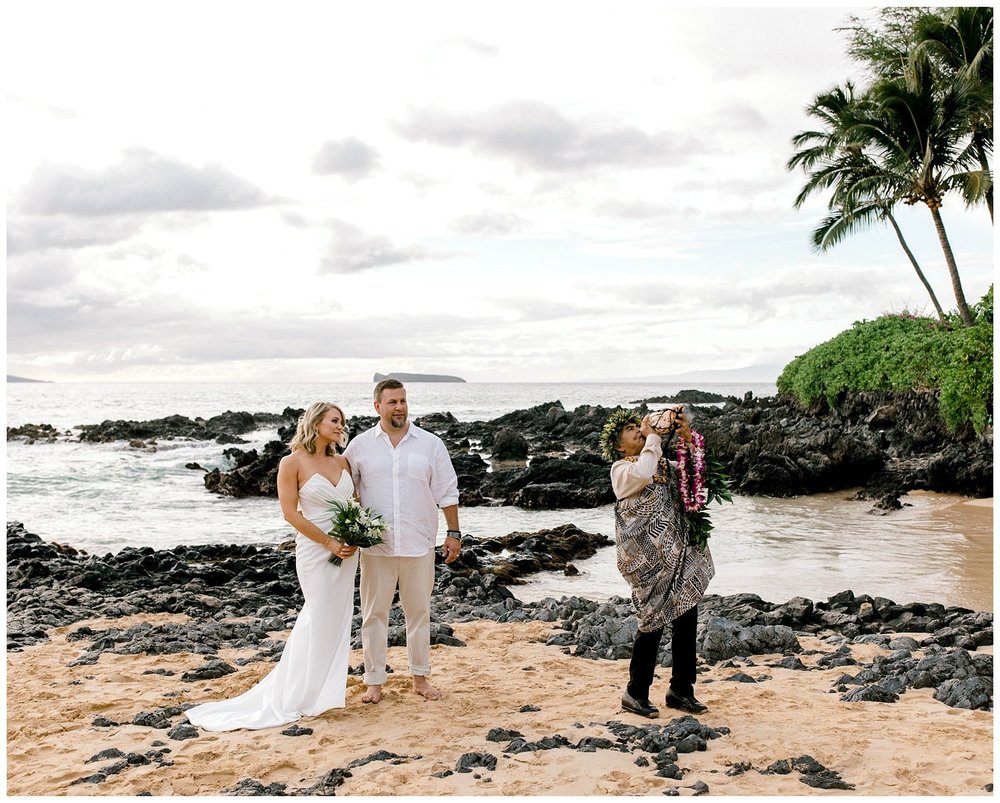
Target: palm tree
916, 135
960, 44
880, 42
845, 219
834, 160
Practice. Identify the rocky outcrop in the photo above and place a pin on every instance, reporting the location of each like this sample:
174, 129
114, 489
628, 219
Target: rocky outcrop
959, 679
886, 443
252, 474
223, 428
237, 596
33, 433
513, 556
53, 585
581, 480
883, 443
722, 638
578, 480
734, 628
688, 397
548, 428
509, 444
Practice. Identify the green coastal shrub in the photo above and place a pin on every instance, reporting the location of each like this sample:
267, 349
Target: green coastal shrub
902, 352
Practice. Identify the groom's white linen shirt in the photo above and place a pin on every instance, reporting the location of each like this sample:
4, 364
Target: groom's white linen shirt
406, 485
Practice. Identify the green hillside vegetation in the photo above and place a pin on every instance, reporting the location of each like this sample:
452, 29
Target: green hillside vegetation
903, 352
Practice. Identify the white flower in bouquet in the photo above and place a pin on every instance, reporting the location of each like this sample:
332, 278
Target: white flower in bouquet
355, 525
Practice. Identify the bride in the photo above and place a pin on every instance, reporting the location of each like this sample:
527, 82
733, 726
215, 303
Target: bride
311, 676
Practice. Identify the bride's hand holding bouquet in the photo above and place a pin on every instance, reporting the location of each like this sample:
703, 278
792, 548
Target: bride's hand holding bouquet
355, 526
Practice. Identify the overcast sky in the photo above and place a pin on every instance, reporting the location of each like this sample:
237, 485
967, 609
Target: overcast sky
315, 191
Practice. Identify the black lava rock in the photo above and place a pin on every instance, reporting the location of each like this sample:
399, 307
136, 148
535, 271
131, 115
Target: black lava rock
253, 788
183, 731
295, 730
503, 735
470, 760
211, 670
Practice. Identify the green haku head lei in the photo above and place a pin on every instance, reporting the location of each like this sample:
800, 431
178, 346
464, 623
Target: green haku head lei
613, 430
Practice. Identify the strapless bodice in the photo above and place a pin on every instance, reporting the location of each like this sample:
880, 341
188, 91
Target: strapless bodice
318, 494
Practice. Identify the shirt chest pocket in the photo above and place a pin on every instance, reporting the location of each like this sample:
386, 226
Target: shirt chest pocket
418, 466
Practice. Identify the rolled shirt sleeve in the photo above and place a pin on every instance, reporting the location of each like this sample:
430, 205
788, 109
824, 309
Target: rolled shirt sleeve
628, 477
444, 480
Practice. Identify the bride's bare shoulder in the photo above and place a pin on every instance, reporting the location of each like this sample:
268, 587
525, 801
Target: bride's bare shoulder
292, 460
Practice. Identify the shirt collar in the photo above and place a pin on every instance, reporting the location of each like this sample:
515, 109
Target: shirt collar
410, 431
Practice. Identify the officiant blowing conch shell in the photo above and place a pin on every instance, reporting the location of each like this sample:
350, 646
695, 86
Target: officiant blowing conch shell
667, 574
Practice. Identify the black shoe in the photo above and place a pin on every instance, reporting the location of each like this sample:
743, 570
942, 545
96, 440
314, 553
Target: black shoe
685, 703
643, 708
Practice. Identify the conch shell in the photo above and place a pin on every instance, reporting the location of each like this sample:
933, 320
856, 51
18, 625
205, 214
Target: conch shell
665, 421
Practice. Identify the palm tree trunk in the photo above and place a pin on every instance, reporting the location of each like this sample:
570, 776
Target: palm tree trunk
916, 267
949, 258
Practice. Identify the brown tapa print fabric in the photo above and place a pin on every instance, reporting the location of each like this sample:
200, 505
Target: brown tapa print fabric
668, 576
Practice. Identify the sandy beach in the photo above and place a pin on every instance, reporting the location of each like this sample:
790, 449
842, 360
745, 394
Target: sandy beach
916, 746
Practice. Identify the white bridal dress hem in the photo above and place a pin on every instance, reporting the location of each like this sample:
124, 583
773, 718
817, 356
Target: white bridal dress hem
311, 676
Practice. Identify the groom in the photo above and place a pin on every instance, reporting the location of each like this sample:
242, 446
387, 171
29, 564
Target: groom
405, 474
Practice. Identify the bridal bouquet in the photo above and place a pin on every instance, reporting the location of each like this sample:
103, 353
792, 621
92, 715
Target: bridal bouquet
355, 526
702, 481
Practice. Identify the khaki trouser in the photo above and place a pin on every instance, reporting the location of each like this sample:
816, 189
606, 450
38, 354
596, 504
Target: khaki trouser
379, 577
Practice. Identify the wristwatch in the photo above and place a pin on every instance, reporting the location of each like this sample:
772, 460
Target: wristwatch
456, 534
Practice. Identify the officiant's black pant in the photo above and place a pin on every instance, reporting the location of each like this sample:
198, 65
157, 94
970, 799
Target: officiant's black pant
683, 657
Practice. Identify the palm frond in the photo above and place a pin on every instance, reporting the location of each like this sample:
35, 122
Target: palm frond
842, 222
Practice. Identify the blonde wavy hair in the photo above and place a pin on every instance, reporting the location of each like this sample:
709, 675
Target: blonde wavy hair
305, 431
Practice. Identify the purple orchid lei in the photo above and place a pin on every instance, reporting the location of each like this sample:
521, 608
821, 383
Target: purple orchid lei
702, 480
691, 470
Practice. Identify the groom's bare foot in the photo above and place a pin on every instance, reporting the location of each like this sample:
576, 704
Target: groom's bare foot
425, 689
373, 695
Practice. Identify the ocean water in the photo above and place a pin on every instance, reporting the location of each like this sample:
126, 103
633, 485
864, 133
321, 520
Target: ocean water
103, 497
69, 405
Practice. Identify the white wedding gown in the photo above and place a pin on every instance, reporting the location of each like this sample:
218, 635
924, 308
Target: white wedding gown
311, 676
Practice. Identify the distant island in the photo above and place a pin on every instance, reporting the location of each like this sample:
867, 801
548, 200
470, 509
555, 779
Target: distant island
418, 377
12, 378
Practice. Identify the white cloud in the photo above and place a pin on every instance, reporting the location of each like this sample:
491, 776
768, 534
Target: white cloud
142, 182
467, 44
536, 135
351, 250
505, 192
349, 158
27, 233
488, 222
